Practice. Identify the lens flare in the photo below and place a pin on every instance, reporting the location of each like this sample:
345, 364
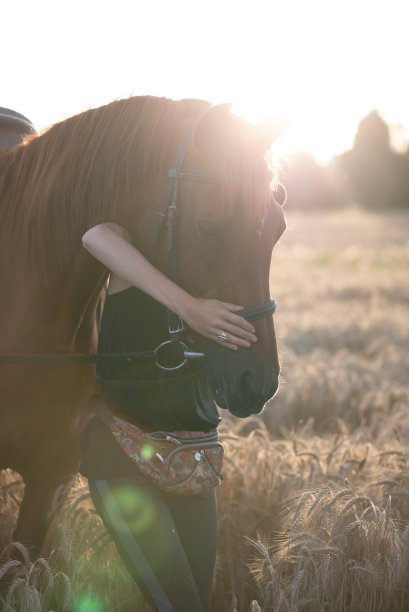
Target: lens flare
147, 452
86, 603
136, 508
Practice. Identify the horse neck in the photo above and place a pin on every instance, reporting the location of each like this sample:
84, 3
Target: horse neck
5, 160
80, 291
71, 293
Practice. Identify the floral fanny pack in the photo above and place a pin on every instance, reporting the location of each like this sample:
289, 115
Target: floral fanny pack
182, 462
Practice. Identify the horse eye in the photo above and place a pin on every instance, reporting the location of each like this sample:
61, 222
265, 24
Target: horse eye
209, 230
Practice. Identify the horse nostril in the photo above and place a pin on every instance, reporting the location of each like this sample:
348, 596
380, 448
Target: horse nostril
248, 383
255, 389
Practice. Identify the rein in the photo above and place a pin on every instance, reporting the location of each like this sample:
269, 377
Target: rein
172, 354
162, 354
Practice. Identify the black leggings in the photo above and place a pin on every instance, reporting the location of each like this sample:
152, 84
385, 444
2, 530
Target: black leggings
167, 541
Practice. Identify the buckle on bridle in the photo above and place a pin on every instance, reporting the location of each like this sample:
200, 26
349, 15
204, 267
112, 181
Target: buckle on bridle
176, 324
173, 354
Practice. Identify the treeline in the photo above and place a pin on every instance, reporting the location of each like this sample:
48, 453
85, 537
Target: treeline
371, 174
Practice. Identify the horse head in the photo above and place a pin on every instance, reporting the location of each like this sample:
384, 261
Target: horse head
227, 224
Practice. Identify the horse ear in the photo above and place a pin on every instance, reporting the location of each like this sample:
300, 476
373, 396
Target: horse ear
210, 125
268, 131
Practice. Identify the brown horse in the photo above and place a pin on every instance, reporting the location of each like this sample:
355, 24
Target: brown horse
111, 164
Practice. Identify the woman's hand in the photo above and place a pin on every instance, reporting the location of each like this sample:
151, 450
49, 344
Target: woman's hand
211, 318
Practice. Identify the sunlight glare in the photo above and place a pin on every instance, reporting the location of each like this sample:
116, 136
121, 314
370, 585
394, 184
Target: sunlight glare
324, 65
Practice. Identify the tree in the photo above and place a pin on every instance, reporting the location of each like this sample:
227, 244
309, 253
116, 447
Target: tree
376, 176
308, 184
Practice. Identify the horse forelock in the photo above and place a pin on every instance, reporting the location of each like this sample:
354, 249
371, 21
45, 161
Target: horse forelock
246, 171
247, 186
91, 167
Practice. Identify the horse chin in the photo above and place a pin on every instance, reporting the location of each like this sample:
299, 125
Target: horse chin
236, 383
242, 404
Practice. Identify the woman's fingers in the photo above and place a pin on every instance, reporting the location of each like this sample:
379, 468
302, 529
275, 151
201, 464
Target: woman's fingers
233, 331
231, 341
236, 319
228, 336
238, 327
221, 322
231, 307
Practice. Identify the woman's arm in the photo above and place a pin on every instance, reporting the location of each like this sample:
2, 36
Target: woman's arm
109, 243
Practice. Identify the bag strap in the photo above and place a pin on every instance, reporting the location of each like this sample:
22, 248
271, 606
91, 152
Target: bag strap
105, 414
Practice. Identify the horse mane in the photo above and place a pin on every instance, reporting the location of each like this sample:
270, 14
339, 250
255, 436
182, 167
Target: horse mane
89, 169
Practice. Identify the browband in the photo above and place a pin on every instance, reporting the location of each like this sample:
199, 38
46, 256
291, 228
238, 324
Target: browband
192, 175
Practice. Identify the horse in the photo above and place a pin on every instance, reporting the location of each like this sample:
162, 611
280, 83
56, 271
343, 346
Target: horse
111, 164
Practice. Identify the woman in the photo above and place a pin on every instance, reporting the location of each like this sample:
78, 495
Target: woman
167, 541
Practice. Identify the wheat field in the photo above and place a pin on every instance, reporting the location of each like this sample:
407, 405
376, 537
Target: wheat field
314, 506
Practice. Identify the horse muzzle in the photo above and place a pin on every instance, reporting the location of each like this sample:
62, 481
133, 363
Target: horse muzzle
241, 385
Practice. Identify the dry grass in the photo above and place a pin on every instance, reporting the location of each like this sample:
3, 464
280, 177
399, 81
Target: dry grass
314, 508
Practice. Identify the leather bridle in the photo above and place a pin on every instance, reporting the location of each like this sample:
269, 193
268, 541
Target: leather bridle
168, 216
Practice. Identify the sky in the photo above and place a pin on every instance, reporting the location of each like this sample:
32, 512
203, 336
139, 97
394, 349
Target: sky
321, 64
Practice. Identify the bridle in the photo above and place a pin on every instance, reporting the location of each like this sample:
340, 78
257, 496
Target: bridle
167, 216
171, 354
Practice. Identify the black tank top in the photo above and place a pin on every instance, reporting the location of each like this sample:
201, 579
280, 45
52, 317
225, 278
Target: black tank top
133, 321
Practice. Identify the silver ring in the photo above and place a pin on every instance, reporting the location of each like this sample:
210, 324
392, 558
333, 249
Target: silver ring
162, 345
223, 336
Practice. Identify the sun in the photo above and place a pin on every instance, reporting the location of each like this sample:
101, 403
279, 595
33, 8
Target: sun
323, 69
